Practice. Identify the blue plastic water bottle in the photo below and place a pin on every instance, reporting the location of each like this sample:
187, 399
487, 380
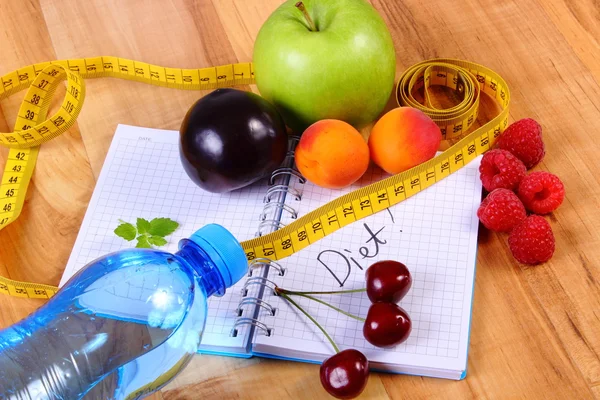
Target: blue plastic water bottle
123, 326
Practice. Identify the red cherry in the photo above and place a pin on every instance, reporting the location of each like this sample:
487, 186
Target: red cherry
386, 325
345, 374
388, 281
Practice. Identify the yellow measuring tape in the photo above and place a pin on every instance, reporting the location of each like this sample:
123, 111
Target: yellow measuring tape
32, 128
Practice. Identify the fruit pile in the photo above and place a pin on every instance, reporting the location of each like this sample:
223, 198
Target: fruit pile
333, 154
320, 63
318, 79
513, 192
230, 139
345, 374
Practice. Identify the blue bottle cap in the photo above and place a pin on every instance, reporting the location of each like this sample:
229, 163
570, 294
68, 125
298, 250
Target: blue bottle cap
224, 250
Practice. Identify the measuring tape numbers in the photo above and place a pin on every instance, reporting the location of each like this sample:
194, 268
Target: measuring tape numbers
32, 128
462, 76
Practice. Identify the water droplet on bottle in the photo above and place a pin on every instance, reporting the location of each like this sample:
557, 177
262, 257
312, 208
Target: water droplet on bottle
146, 346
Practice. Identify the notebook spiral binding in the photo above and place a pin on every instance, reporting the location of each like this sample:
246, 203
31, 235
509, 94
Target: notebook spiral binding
264, 283
283, 207
258, 280
261, 262
255, 301
269, 220
253, 322
280, 187
286, 171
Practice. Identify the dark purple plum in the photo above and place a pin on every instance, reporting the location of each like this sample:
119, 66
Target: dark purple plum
230, 139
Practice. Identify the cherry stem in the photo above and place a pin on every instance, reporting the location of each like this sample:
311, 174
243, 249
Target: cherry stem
334, 292
311, 24
329, 305
285, 296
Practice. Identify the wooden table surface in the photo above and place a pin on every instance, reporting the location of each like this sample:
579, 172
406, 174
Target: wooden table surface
535, 331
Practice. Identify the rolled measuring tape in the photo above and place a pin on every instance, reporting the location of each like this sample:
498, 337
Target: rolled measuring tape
32, 128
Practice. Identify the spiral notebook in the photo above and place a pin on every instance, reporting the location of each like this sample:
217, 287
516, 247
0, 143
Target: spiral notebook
434, 233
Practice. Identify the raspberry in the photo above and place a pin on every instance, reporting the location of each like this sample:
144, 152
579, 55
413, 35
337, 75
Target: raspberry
541, 192
524, 139
500, 169
501, 210
532, 241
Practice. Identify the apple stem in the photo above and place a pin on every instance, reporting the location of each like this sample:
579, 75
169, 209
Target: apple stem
285, 296
329, 305
311, 24
333, 292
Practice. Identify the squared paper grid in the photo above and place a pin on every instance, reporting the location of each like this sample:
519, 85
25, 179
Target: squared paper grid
143, 177
434, 233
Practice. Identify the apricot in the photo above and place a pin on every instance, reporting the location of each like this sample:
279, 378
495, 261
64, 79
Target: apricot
403, 138
332, 154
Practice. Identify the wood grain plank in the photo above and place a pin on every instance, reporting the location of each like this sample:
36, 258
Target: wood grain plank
267, 379
175, 36
579, 23
36, 247
596, 391
241, 22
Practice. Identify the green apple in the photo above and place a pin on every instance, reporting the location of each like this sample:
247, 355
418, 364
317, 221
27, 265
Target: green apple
334, 61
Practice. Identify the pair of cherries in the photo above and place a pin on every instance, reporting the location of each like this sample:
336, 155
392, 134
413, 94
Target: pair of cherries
345, 374
387, 324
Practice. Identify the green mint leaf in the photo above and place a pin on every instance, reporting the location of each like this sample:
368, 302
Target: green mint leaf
143, 225
126, 231
157, 240
162, 227
143, 242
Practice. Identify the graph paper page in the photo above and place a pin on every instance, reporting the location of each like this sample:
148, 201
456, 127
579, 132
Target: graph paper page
143, 177
434, 233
